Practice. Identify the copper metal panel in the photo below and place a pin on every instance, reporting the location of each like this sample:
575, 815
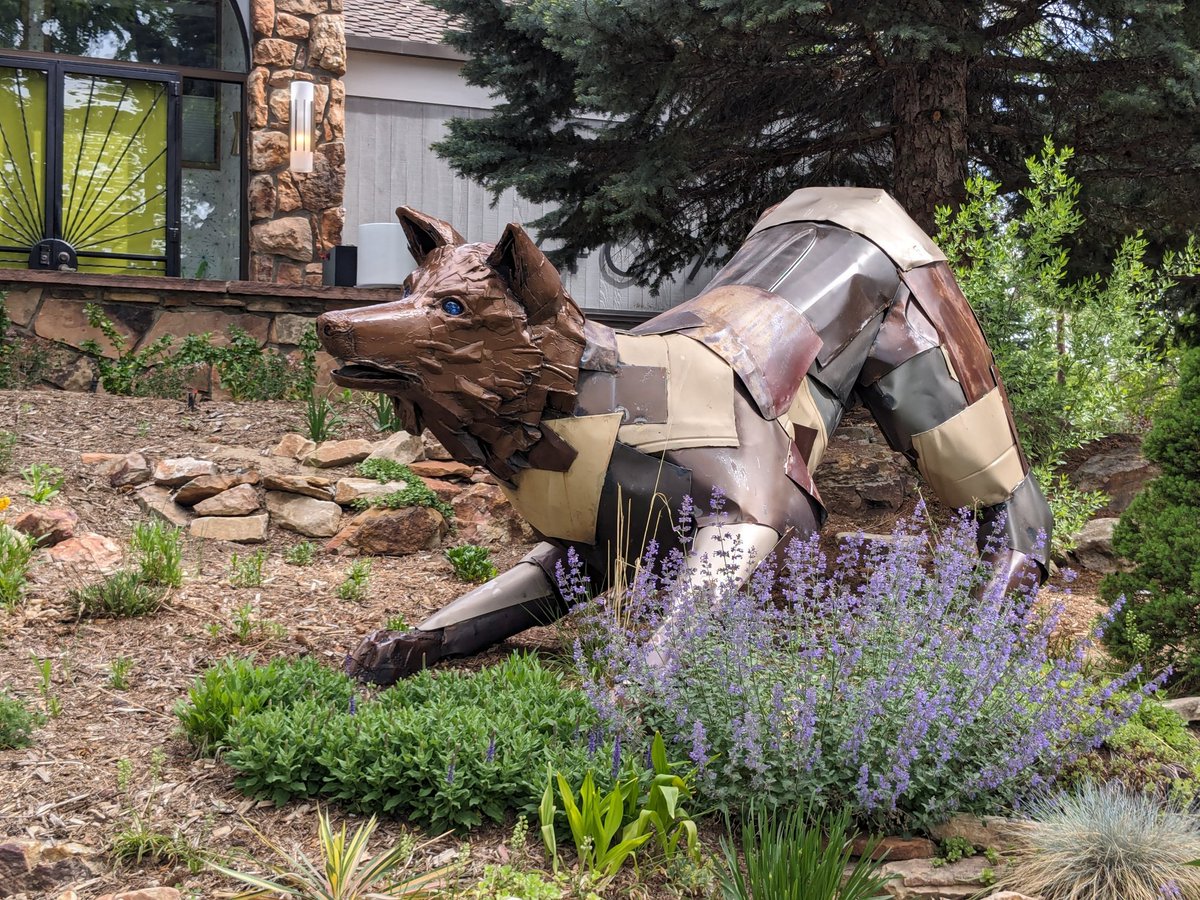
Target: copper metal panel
940, 298
866, 211
906, 332
767, 342
639, 393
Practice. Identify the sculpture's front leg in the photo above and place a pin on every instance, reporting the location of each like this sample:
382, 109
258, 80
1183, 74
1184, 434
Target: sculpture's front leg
521, 598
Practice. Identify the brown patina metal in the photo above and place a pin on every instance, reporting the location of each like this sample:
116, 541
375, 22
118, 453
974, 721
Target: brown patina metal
490, 353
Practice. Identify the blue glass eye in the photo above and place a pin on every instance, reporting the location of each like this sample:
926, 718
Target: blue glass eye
453, 307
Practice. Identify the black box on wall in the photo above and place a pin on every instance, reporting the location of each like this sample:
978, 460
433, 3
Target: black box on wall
341, 267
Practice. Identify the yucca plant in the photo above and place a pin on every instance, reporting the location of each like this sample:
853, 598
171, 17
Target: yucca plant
797, 854
346, 873
1105, 842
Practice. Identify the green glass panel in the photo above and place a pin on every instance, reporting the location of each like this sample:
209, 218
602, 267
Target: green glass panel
115, 172
22, 163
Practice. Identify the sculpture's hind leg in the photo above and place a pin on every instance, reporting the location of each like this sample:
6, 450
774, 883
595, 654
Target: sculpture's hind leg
513, 601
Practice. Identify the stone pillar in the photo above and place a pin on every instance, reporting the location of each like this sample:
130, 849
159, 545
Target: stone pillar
295, 218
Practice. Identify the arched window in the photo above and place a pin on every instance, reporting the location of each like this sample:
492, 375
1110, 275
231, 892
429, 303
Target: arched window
121, 136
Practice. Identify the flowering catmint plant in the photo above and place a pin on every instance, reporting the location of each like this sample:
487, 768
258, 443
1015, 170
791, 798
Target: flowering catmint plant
901, 682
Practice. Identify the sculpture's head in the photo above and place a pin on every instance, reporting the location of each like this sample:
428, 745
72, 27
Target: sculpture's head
485, 332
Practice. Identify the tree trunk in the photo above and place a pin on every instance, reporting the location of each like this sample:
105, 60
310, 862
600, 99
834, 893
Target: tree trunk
929, 100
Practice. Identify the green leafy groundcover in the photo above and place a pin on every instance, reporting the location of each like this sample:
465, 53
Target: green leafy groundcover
445, 749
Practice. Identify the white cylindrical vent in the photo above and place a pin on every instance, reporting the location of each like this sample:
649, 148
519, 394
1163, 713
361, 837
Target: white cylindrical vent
301, 127
383, 257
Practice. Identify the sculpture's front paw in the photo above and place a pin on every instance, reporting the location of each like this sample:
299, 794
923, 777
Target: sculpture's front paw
383, 657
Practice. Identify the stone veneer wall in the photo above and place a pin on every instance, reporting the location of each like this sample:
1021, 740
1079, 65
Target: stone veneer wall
48, 307
295, 218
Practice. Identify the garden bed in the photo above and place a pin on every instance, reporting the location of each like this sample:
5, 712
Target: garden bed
73, 783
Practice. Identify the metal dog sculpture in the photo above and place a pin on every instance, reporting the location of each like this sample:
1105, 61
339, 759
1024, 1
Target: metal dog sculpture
596, 436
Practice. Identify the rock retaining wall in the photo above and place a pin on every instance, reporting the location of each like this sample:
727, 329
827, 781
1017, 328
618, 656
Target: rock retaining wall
48, 307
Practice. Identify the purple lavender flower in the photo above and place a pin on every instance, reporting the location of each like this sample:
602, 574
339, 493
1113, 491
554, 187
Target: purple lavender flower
491, 750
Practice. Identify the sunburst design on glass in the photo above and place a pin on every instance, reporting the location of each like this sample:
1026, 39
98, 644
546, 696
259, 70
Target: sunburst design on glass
114, 193
22, 163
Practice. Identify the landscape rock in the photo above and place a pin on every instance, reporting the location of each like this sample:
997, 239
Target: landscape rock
156, 500
436, 468
131, 468
180, 470
1121, 472
295, 446
1188, 708
433, 447
47, 526
392, 532
240, 500
483, 515
913, 878
339, 453
306, 485
445, 490
96, 460
400, 447
870, 477
895, 849
1094, 548
154, 893
210, 485
240, 529
988, 831
1010, 895
305, 515
87, 551
35, 868
350, 489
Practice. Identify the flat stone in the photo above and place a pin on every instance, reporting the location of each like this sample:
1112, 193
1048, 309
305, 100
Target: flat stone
1011, 895
21, 304
290, 329
291, 236
339, 453
350, 489
1188, 708
47, 526
241, 500
445, 490
215, 323
436, 468
914, 878
155, 500
1121, 472
65, 322
1094, 548
154, 893
36, 868
240, 529
87, 551
96, 460
392, 532
483, 515
895, 849
400, 447
305, 515
306, 485
210, 485
988, 831
131, 468
294, 446
180, 470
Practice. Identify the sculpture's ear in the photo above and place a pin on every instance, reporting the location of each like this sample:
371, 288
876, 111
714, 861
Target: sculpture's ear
531, 277
425, 233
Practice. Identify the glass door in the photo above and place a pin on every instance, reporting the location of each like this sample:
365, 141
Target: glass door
92, 160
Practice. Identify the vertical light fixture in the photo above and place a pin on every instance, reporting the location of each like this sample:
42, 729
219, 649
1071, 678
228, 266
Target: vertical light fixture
301, 123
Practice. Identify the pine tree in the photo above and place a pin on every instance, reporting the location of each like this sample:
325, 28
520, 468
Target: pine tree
711, 110
1160, 532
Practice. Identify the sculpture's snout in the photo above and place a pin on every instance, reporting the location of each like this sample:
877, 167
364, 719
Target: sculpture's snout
336, 333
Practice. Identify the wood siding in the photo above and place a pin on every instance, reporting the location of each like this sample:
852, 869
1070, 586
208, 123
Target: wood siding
389, 163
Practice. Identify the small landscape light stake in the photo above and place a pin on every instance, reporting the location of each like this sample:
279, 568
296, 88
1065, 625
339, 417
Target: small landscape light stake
301, 127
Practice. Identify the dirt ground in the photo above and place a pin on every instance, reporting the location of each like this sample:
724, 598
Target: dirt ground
65, 787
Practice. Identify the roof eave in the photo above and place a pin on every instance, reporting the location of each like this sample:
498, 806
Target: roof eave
398, 47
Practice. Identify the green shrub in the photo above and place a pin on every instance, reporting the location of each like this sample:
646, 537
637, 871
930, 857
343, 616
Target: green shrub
471, 563
158, 550
247, 571
152, 371
414, 493
321, 420
797, 853
17, 722
8, 443
1160, 533
354, 587
45, 482
301, 554
446, 749
507, 883
123, 594
387, 419
16, 553
1106, 843
250, 372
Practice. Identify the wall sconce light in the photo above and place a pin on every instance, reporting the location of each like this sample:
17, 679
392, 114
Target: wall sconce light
301, 127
